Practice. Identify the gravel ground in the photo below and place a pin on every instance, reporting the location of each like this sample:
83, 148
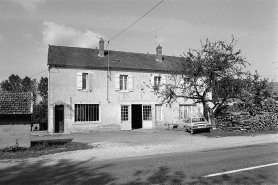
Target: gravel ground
113, 145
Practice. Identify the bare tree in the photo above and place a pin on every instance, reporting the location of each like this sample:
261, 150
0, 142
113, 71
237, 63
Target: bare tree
214, 69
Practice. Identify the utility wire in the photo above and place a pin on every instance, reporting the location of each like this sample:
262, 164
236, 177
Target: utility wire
137, 20
38, 73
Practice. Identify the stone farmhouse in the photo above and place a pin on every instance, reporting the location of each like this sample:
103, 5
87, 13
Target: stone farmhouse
94, 89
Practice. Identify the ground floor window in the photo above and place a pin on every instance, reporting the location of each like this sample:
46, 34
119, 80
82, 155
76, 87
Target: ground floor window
186, 111
158, 112
86, 112
124, 112
147, 112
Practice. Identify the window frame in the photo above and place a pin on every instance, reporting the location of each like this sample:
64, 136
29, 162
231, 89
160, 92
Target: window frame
157, 82
124, 114
189, 111
147, 109
86, 80
158, 112
123, 82
87, 108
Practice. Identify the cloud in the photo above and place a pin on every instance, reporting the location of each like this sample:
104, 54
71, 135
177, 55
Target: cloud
29, 5
2, 38
55, 34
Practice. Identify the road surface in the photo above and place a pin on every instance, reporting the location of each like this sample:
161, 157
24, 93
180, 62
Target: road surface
257, 164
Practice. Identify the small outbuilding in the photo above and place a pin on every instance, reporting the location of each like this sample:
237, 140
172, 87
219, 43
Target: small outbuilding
15, 119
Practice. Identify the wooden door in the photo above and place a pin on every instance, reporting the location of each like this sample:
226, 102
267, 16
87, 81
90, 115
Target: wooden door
59, 118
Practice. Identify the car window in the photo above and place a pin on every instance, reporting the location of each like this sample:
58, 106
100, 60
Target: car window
198, 120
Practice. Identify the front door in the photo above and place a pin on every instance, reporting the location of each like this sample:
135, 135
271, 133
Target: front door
59, 118
136, 116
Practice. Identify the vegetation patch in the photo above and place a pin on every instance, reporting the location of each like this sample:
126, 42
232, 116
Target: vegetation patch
16, 152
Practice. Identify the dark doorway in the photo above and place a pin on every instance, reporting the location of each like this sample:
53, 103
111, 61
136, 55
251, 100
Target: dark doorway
136, 116
59, 118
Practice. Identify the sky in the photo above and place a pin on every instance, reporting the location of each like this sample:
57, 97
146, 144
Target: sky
28, 27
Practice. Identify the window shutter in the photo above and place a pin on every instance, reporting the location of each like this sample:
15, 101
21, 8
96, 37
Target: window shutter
152, 82
79, 81
90, 79
163, 80
130, 82
117, 82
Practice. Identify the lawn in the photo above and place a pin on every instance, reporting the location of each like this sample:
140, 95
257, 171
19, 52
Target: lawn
45, 148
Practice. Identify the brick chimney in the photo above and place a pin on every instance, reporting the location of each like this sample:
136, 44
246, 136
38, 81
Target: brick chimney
159, 53
101, 48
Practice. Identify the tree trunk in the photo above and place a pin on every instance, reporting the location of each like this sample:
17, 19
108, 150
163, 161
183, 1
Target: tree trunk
208, 114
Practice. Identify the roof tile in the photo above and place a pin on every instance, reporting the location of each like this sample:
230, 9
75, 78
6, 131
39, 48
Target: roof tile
15, 103
88, 58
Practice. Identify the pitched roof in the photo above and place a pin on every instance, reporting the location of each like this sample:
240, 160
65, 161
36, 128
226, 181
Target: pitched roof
15, 103
88, 58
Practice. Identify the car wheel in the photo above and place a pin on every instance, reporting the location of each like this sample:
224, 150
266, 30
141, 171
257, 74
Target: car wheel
191, 131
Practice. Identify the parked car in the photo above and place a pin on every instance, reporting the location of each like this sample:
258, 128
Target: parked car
196, 124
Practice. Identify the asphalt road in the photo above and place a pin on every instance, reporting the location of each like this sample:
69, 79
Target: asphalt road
177, 168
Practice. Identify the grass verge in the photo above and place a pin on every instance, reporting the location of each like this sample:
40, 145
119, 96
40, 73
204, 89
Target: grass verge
16, 152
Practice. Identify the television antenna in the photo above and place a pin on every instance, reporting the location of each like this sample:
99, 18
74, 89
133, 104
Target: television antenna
155, 36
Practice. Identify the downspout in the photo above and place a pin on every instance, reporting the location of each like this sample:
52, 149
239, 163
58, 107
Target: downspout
48, 92
108, 75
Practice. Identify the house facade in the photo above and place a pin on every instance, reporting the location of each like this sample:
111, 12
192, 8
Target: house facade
94, 89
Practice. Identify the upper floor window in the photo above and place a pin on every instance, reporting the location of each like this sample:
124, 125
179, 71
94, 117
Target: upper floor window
84, 81
123, 82
157, 82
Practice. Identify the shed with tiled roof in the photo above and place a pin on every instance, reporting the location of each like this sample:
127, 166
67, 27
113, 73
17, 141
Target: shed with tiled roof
15, 119
15, 103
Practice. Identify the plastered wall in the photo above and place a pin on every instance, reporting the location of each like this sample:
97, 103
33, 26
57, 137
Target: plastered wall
63, 87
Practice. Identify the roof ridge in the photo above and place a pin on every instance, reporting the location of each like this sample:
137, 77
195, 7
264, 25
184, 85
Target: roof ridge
113, 50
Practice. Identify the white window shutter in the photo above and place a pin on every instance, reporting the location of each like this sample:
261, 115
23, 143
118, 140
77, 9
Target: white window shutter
90, 79
152, 82
163, 81
117, 82
130, 82
79, 81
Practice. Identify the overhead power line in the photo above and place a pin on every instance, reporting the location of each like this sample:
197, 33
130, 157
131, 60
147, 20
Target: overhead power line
136, 21
37, 73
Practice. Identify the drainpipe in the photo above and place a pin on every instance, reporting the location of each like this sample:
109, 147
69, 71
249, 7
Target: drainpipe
108, 74
48, 92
